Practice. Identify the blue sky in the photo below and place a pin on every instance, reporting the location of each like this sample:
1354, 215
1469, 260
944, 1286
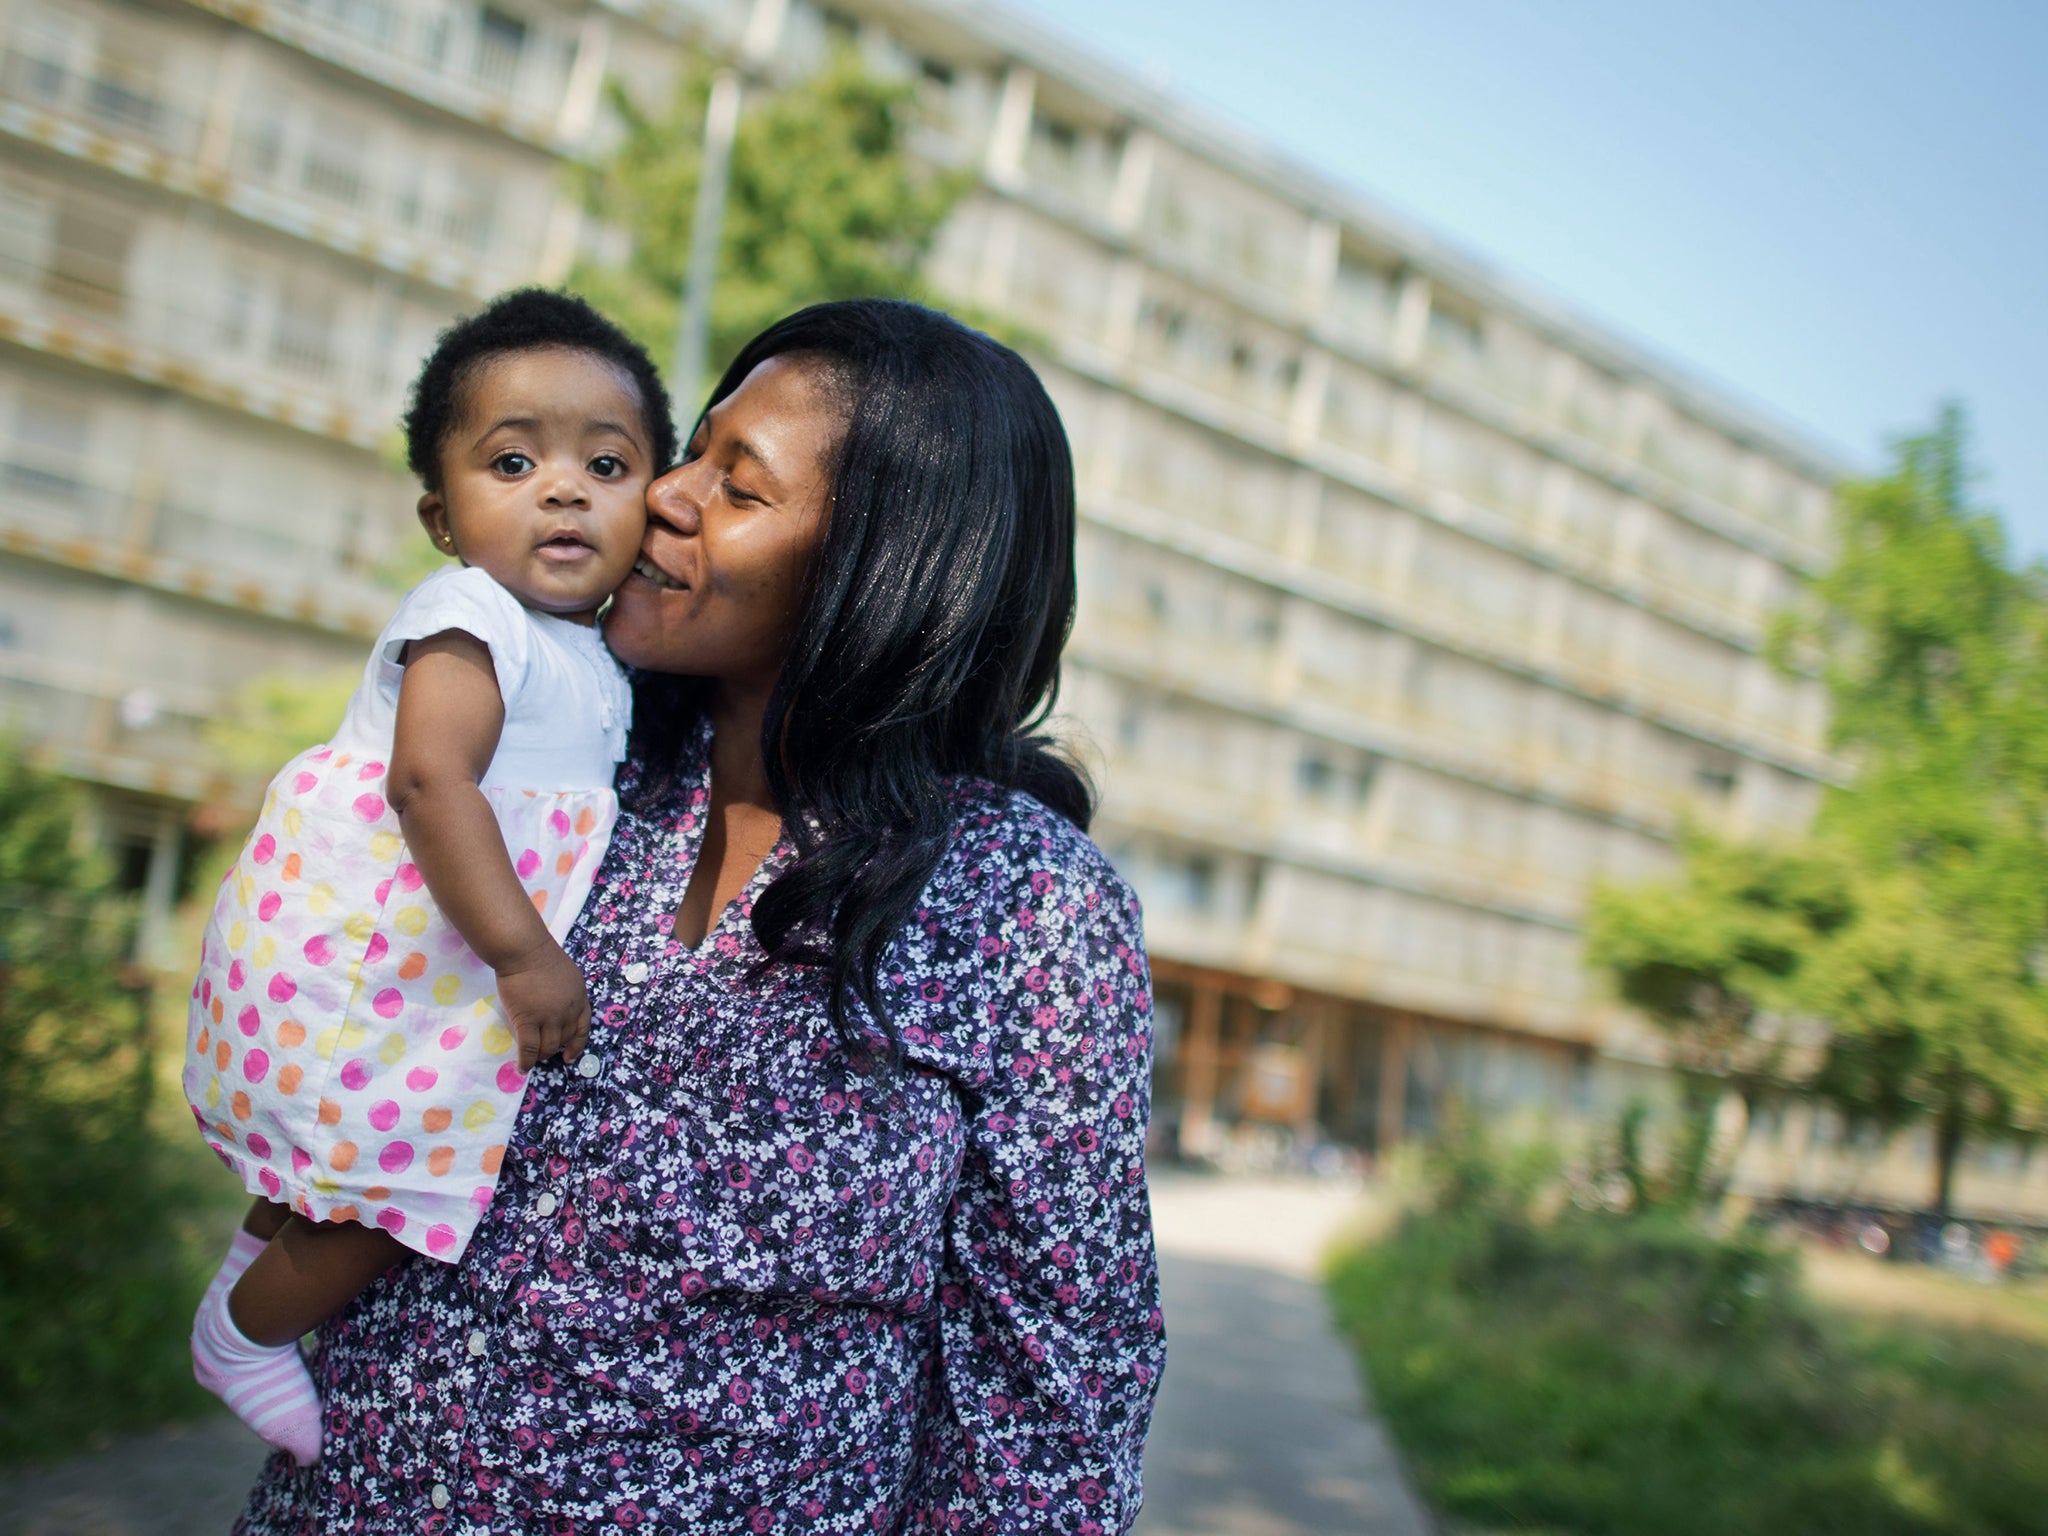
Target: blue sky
1835, 210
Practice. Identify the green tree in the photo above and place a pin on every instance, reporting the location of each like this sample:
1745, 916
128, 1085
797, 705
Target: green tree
1714, 956
94, 1297
825, 202
1935, 647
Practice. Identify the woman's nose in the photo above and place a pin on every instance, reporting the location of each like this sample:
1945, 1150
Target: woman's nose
673, 500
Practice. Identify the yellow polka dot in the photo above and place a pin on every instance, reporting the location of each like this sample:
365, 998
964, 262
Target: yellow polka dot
245, 890
212, 1093
294, 821
355, 970
270, 802
360, 925
238, 934
411, 921
497, 1039
325, 1043
447, 989
320, 898
264, 952
384, 847
484, 1005
393, 1048
478, 1115
327, 1186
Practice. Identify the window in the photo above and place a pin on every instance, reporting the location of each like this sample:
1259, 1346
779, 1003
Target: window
91, 267
51, 446
334, 162
500, 43
303, 339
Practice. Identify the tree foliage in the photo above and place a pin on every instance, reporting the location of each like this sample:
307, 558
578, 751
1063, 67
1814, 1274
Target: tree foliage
1924, 958
93, 1304
825, 201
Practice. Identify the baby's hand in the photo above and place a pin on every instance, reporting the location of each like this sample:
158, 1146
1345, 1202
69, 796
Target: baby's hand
548, 1005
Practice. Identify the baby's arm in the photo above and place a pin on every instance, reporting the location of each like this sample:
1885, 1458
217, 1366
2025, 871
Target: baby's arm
449, 715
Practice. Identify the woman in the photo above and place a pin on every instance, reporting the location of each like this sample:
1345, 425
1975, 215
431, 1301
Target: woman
840, 1223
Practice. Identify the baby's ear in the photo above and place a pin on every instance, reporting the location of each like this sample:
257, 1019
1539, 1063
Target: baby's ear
433, 510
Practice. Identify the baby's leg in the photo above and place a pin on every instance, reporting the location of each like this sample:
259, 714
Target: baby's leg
306, 1274
244, 1341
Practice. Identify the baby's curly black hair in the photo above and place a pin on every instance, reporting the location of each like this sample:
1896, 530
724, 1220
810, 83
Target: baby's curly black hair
524, 320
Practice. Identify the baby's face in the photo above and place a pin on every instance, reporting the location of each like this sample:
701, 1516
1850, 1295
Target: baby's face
544, 478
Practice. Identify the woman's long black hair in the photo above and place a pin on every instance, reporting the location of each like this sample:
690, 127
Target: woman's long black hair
929, 645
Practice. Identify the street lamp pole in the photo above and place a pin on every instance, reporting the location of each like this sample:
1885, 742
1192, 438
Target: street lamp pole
707, 219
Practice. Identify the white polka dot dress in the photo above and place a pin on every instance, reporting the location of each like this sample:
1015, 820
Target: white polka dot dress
346, 1053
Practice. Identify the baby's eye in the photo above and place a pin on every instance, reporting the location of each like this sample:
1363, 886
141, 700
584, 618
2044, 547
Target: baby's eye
512, 462
608, 465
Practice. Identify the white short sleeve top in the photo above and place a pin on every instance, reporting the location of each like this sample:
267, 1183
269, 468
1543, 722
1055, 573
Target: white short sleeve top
567, 703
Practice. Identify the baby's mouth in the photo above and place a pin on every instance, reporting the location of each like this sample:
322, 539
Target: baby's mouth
564, 546
646, 568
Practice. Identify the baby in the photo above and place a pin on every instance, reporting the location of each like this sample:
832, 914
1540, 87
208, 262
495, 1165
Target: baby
384, 963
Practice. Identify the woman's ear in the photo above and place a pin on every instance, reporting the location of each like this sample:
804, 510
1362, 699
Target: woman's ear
433, 510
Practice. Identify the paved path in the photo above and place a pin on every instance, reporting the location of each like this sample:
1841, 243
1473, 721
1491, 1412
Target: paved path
188, 1480
1260, 1431
1262, 1427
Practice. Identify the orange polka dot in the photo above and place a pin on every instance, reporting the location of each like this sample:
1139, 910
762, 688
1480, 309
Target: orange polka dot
239, 1105
440, 1160
376, 1192
205, 1041
227, 1131
343, 1157
344, 1213
342, 761
540, 901
292, 866
436, 1120
291, 1034
288, 1080
493, 1157
330, 1112
415, 966
222, 1055
565, 863
219, 1010
585, 820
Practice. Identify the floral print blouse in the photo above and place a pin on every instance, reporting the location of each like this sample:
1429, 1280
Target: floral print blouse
733, 1282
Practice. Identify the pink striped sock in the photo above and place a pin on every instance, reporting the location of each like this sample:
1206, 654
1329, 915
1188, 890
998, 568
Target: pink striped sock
242, 1251
268, 1388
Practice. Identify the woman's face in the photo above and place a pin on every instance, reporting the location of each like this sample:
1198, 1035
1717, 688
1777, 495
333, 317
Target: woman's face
730, 532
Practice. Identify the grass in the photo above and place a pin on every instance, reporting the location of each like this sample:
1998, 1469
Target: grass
1599, 1374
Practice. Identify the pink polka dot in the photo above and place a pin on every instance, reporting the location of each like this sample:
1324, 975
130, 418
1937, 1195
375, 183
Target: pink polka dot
258, 1143
264, 849
301, 1160
237, 974
510, 1077
420, 1079
322, 755
396, 1156
558, 822
440, 1238
453, 1036
391, 1221
304, 782
356, 1075
267, 907
383, 890
282, 988
529, 862
370, 807
255, 1067
369, 771
206, 992
480, 1197
409, 876
273, 1186
248, 1021
319, 949
376, 949
384, 1114
389, 1003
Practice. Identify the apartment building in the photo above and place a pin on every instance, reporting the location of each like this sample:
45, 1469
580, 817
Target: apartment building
1412, 605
